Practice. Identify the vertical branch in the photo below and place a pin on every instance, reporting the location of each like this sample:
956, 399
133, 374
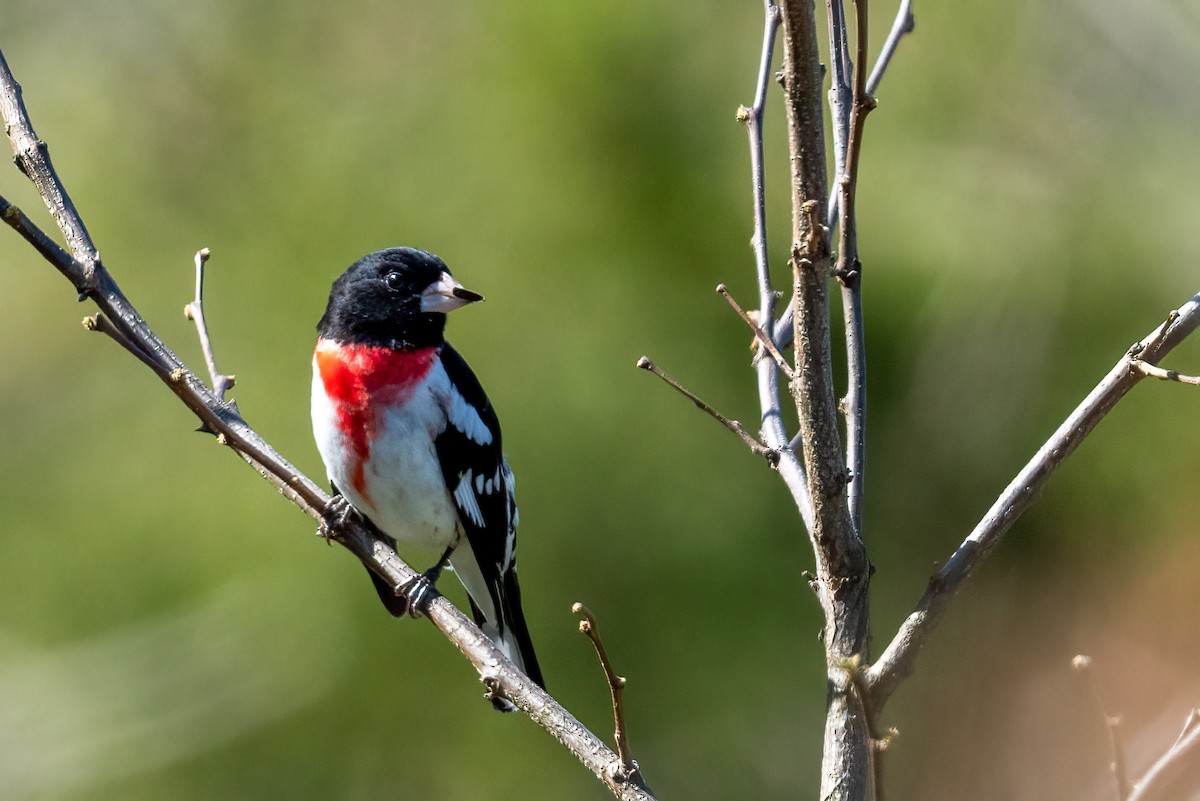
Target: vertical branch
839, 94
773, 431
841, 561
849, 273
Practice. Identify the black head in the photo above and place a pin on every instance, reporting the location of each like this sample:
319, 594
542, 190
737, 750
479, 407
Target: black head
396, 298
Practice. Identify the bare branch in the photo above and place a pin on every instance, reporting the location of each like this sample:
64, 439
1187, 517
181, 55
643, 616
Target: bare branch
32, 157
849, 273
102, 325
1151, 371
1112, 723
773, 431
733, 425
194, 311
616, 689
35, 236
760, 335
89, 276
903, 24
843, 572
899, 659
1175, 770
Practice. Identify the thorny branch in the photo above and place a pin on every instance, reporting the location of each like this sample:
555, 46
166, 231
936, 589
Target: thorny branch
119, 318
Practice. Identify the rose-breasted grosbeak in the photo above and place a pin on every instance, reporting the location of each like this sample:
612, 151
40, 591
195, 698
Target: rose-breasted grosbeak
410, 439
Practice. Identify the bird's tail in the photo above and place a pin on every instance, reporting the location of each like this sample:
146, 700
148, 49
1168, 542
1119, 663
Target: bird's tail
509, 630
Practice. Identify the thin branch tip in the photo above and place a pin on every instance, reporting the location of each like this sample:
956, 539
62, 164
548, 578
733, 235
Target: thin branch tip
616, 684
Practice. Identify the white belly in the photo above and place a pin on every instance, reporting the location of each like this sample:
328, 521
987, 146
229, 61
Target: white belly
402, 488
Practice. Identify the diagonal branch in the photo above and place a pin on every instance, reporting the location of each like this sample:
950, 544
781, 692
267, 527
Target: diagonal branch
903, 24
1168, 778
763, 339
733, 425
898, 660
89, 276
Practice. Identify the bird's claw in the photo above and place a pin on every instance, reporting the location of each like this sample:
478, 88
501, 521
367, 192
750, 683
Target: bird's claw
336, 514
419, 591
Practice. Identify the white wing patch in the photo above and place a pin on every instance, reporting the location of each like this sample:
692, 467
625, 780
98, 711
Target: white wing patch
504, 478
464, 496
465, 417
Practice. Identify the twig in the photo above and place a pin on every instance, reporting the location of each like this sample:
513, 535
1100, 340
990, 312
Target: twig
616, 688
1112, 723
1164, 779
899, 659
102, 325
902, 25
840, 100
84, 270
849, 273
35, 236
753, 443
774, 433
761, 335
1152, 371
194, 311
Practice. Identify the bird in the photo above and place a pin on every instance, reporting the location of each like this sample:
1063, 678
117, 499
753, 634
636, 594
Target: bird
411, 441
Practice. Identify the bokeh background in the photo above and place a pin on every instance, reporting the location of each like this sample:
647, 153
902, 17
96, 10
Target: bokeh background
172, 629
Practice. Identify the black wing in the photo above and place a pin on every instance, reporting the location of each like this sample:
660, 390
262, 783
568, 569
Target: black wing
472, 460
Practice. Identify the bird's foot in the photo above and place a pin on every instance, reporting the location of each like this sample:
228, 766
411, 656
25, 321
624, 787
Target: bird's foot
419, 591
336, 514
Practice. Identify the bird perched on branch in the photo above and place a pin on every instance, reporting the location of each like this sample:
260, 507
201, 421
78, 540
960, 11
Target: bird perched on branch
409, 438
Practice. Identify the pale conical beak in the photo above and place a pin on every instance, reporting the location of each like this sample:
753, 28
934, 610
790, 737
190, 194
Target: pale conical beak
445, 295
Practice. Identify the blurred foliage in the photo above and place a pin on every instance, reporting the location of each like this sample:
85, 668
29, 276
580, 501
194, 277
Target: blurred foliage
1027, 211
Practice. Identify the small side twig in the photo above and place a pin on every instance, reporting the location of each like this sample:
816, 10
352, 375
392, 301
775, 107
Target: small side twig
194, 311
1084, 666
764, 340
1165, 778
616, 688
1153, 371
102, 325
751, 441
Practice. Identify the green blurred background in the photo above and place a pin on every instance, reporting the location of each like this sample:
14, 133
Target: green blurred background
172, 630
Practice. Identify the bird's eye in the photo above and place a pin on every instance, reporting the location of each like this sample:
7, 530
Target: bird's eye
393, 280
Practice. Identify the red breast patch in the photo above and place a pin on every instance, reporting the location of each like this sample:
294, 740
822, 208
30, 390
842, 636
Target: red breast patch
359, 379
